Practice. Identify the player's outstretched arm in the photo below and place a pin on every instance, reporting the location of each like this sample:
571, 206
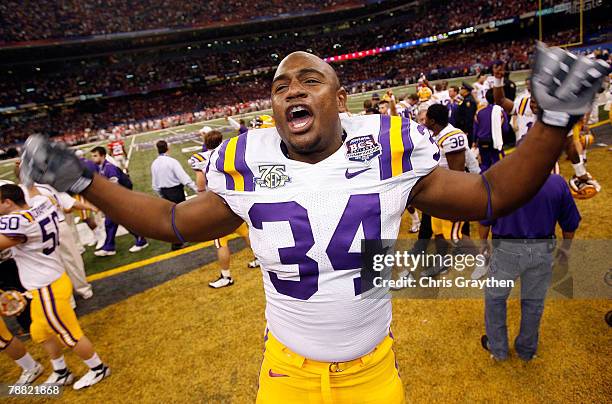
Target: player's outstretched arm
202, 218
564, 86
498, 89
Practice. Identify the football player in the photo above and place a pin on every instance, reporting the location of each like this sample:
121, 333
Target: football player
525, 107
198, 163
116, 149
441, 96
480, 89
32, 232
314, 186
14, 348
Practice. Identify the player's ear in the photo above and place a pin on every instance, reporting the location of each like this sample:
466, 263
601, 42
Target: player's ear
342, 99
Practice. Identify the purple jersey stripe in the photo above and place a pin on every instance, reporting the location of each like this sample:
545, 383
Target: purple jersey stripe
241, 165
229, 181
50, 289
408, 146
385, 142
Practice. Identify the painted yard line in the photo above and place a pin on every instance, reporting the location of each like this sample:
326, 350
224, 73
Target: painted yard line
152, 260
600, 123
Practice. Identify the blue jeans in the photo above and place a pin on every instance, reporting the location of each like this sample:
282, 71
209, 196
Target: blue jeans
533, 264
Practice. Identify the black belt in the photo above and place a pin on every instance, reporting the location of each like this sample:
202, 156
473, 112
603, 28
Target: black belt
548, 241
179, 186
523, 240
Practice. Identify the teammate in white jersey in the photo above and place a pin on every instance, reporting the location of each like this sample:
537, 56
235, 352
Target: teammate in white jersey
199, 163
32, 231
481, 86
441, 96
311, 189
582, 184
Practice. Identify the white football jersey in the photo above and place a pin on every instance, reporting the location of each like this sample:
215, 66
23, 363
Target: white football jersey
306, 223
65, 201
525, 118
37, 256
449, 140
442, 97
481, 91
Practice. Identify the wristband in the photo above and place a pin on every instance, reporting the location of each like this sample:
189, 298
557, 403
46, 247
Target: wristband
498, 82
83, 182
177, 233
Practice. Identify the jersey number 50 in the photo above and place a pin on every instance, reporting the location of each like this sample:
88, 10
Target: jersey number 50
360, 210
50, 235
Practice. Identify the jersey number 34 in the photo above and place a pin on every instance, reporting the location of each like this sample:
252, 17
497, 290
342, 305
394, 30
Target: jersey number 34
360, 210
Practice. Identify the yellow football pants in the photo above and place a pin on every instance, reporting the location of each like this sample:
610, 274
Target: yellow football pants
5, 335
52, 314
287, 377
242, 231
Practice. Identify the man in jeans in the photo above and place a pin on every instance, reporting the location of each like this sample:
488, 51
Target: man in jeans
523, 247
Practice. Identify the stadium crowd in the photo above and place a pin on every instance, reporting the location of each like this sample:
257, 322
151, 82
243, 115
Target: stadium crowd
76, 18
195, 103
73, 18
134, 72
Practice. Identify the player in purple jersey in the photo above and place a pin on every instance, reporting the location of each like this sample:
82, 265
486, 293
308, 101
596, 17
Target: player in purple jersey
256, 175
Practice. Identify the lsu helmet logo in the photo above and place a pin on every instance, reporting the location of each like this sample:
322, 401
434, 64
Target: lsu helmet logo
272, 176
362, 149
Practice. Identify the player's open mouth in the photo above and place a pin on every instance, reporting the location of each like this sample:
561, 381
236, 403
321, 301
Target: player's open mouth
299, 118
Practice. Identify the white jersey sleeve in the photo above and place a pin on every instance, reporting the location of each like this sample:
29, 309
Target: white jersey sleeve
36, 255
453, 142
525, 118
306, 223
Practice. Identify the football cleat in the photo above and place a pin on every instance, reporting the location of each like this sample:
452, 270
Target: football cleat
104, 253
584, 189
92, 377
254, 264
415, 227
221, 282
405, 279
136, 248
28, 376
435, 270
480, 271
61, 379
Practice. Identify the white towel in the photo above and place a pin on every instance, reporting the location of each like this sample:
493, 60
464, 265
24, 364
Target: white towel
496, 127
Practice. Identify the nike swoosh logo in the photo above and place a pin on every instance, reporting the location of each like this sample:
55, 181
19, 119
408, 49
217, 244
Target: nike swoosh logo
350, 175
272, 374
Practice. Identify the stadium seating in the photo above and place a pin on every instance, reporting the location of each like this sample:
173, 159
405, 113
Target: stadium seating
145, 89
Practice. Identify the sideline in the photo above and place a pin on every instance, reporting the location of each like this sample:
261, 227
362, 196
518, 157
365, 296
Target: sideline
152, 260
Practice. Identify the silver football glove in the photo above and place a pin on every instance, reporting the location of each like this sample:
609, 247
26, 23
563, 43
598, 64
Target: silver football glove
51, 163
564, 84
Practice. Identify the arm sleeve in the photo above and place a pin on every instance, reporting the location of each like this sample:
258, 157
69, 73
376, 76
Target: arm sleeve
154, 183
233, 122
16, 226
454, 143
183, 177
425, 154
65, 200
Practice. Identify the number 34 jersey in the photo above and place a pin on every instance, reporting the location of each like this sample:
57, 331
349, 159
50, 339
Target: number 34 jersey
306, 223
37, 257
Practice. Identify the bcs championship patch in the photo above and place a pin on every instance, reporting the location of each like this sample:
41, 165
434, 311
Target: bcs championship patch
362, 149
